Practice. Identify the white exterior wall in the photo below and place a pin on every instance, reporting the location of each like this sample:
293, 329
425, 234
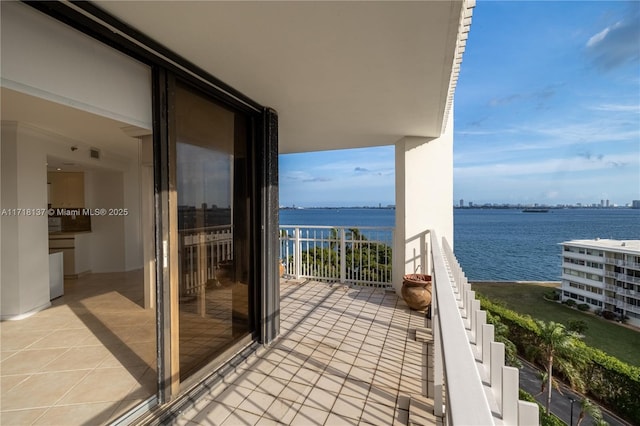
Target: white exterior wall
424, 198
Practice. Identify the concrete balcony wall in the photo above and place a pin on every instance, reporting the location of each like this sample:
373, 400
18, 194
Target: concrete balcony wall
424, 198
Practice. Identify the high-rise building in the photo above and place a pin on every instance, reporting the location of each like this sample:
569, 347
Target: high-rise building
604, 274
461, 202
635, 204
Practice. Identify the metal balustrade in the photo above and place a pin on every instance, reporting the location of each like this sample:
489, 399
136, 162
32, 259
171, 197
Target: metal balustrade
203, 253
355, 255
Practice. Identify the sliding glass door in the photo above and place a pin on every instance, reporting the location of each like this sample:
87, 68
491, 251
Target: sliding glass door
213, 220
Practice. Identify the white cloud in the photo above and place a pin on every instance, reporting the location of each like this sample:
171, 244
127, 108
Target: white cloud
617, 108
597, 38
549, 166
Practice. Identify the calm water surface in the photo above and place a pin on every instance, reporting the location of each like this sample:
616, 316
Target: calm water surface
499, 244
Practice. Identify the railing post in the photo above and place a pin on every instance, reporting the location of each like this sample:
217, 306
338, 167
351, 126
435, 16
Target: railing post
497, 362
487, 337
481, 320
424, 254
297, 253
528, 413
201, 275
438, 372
510, 395
343, 256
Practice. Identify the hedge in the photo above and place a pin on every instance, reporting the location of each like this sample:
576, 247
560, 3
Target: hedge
613, 383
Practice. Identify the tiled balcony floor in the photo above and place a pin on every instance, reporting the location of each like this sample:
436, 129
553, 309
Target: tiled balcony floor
345, 356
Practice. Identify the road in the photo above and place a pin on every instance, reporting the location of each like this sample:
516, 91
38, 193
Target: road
561, 404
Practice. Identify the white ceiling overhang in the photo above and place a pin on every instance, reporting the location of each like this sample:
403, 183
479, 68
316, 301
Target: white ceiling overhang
340, 74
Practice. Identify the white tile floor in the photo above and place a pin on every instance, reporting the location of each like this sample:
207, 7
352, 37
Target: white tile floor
345, 356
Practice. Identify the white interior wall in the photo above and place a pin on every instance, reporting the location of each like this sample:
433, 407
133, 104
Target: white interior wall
132, 220
105, 190
9, 274
114, 245
25, 246
44, 58
424, 198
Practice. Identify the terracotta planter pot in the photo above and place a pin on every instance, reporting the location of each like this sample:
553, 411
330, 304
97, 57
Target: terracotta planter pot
416, 291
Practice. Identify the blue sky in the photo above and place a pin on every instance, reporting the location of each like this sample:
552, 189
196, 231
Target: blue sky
547, 110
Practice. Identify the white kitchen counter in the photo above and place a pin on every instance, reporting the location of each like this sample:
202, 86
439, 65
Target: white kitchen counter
76, 249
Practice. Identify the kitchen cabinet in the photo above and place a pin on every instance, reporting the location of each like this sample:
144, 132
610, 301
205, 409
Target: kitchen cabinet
66, 189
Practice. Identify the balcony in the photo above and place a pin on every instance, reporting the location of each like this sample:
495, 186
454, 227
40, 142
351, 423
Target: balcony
357, 354
628, 278
346, 353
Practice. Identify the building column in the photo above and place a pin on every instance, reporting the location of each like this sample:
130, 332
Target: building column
424, 199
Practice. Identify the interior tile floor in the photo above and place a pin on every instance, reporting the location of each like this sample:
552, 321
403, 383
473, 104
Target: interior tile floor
345, 356
87, 359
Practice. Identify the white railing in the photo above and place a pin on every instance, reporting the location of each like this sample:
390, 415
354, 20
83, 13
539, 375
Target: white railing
614, 261
204, 254
610, 274
469, 365
611, 287
347, 254
628, 278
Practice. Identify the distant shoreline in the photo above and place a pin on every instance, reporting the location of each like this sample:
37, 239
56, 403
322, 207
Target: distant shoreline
541, 283
338, 208
482, 207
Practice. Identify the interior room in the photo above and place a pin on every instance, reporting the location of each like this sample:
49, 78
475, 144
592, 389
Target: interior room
79, 336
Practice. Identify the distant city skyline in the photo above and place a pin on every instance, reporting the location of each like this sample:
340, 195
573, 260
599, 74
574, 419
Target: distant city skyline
547, 110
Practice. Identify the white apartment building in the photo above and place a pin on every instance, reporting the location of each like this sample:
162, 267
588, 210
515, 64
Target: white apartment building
605, 274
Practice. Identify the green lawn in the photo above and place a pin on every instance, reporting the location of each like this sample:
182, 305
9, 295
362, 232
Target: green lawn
616, 340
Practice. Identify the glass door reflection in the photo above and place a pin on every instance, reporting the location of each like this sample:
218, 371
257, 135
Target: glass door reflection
213, 228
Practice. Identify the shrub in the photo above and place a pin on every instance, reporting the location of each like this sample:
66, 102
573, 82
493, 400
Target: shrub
608, 315
571, 303
552, 295
583, 307
578, 326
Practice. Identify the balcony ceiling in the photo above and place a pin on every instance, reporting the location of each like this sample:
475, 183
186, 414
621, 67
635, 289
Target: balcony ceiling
340, 74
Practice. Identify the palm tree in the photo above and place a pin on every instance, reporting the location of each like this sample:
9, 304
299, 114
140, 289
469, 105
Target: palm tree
556, 345
588, 407
544, 380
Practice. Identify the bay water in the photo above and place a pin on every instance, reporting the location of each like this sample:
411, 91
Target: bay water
498, 244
